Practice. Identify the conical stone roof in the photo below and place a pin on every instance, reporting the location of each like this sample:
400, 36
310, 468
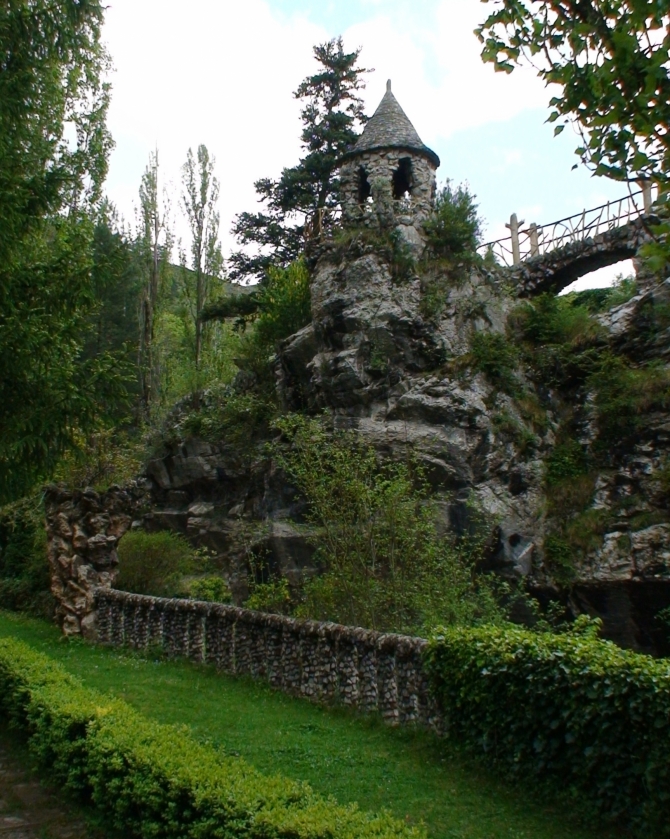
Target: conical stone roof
390, 128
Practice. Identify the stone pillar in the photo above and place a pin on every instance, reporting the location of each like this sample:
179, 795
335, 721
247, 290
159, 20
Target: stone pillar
83, 531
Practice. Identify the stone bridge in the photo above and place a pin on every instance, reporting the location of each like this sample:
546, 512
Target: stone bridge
557, 269
549, 257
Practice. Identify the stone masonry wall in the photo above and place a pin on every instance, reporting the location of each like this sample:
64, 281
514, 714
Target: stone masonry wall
382, 165
83, 531
323, 662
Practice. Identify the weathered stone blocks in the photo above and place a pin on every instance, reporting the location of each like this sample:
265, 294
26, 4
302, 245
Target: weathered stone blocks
83, 530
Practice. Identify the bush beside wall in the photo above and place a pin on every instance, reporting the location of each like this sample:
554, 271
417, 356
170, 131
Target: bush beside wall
571, 710
156, 780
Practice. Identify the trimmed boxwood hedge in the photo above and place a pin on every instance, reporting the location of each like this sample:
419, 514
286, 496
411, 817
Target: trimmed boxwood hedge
154, 780
562, 708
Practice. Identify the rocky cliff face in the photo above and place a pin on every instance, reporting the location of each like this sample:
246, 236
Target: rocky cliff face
516, 426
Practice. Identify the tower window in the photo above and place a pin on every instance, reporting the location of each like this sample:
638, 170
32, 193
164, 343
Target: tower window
402, 179
364, 188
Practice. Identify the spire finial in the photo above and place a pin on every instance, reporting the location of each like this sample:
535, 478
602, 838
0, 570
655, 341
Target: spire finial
388, 86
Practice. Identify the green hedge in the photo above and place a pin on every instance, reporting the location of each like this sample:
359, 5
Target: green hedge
154, 780
566, 709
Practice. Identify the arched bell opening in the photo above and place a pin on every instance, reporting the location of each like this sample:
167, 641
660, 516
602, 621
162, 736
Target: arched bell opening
364, 188
403, 179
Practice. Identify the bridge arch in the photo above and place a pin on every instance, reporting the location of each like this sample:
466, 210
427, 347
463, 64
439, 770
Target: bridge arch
555, 270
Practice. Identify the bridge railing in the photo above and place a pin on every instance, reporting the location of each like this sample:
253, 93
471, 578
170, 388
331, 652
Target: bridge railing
524, 243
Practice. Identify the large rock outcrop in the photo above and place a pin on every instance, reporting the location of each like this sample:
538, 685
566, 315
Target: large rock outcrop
389, 353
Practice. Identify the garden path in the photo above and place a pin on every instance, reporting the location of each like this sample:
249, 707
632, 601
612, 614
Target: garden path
28, 809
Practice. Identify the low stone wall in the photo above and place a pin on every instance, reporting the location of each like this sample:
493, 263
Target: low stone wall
324, 662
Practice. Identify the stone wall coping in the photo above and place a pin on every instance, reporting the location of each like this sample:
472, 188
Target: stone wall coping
386, 642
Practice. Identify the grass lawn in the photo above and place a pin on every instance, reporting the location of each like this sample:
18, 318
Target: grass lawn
352, 758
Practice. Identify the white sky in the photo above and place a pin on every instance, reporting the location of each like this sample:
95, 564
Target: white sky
223, 73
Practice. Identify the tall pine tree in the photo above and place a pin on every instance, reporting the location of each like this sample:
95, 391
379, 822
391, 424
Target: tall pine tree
332, 118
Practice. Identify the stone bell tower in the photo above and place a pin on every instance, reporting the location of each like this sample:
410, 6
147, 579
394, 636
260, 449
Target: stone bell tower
389, 174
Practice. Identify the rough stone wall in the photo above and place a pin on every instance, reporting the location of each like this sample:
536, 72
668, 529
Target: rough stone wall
83, 530
324, 662
380, 165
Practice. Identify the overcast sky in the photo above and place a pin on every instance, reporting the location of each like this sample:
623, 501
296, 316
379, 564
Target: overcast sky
223, 73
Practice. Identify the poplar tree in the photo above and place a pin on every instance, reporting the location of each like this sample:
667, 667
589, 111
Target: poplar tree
200, 279
155, 246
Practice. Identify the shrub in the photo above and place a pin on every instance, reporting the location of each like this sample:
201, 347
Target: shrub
494, 356
559, 558
24, 570
390, 245
225, 416
283, 307
560, 342
624, 395
273, 596
149, 779
454, 229
154, 563
285, 304
575, 711
509, 427
210, 589
567, 460
597, 300
104, 457
556, 320
374, 529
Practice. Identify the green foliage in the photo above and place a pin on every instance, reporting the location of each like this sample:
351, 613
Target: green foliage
224, 416
116, 282
52, 74
497, 358
49, 391
624, 396
154, 563
454, 230
284, 307
273, 596
200, 283
556, 320
210, 589
52, 77
510, 427
418, 776
24, 570
566, 460
578, 712
177, 377
609, 60
386, 567
149, 779
562, 344
284, 304
104, 457
390, 245
240, 305
559, 556
596, 300
153, 247
276, 310
453, 233
331, 114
